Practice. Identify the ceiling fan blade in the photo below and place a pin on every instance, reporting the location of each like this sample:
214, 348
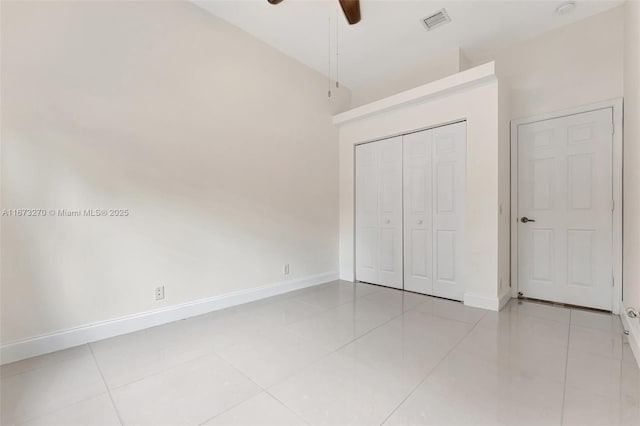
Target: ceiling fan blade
351, 9
274, 1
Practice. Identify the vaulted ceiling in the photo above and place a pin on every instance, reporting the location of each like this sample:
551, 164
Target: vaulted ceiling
391, 37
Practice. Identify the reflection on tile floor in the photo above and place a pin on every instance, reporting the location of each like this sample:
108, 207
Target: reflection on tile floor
340, 353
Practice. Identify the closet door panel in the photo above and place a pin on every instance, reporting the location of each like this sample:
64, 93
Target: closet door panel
449, 165
418, 232
390, 217
379, 212
367, 235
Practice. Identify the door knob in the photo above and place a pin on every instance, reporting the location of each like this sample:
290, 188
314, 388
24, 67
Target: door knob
387, 221
419, 222
526, 219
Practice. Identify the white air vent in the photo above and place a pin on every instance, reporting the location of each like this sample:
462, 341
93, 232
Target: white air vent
437, 19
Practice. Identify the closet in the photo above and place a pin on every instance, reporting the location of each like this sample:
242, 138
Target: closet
410, 211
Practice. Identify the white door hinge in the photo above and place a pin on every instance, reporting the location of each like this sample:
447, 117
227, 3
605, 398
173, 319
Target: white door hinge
613, 205
613, 128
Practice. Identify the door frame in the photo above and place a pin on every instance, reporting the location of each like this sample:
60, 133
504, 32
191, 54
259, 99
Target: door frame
617, 108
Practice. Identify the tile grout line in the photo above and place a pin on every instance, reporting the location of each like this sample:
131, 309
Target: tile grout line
325, 309
215, 353
233, 367
113, 402
108, 389
266, 390
341, 347
300, 416
295, 297
321, 359
165, 369
367, 333
65, 406
209, 352
432, 370
41, 367
446, 317
344, 345
262, 389
566, 370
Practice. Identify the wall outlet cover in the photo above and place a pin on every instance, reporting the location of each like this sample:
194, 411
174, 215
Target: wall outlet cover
160, 293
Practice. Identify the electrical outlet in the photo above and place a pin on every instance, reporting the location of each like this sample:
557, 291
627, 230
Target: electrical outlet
285, 269
160, 293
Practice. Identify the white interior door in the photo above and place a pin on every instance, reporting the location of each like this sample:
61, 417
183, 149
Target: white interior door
379, 212
434, 179
565, 203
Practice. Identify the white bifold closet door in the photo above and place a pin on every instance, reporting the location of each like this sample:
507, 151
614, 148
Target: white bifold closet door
379, 212
434, 186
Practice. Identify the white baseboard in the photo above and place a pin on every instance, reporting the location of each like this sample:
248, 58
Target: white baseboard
504, 299
482, 302
346, 276
633, 325
64, 339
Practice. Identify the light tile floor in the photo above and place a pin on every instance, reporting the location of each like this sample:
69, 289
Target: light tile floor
340, 353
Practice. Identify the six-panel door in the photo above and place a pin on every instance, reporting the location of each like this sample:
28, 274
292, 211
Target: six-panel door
565, 192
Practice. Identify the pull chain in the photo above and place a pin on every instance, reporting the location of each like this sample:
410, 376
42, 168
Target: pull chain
337, 47
329, 58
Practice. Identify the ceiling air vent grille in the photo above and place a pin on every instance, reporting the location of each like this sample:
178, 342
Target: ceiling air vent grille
439, 18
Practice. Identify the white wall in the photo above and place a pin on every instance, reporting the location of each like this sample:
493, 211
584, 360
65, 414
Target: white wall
631, 241
430, 70
574, 65
578, 64
504, 190
221, 148
477, 104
